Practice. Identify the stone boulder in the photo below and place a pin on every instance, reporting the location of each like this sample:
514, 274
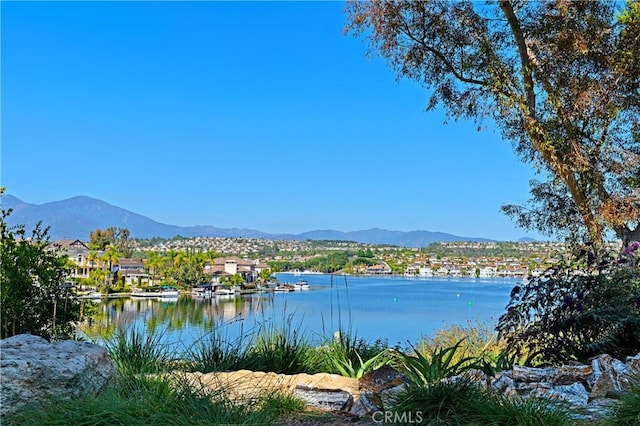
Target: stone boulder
589, 389
378, 390
324, 391
328, 392
34, 370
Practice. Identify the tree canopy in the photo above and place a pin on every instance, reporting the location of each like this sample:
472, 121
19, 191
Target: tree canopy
560, 79
112, 236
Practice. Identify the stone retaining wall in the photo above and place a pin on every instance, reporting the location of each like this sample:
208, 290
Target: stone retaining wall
591, 390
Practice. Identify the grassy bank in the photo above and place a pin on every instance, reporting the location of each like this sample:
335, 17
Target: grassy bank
144, 401
144, 394
150, 389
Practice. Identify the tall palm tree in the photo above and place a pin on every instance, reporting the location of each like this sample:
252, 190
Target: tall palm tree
110, 257
181, 258
93, 258
154, 261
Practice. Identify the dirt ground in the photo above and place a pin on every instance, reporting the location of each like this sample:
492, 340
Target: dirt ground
322, 418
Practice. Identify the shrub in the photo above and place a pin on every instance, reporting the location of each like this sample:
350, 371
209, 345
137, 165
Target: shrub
422, 369
577, 309
32, 297
477, 340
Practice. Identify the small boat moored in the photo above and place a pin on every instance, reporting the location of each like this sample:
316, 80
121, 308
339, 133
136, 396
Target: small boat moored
284, 288
223, 291
165, 291
169, 291
202, 290
301, 285
94, 295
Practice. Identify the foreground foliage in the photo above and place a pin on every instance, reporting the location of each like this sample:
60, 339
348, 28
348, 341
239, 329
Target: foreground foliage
477, 340
627, 412
463, 403
580, 308
135, 352
423, 369
33, 298
142, 401
150, 388
349, 356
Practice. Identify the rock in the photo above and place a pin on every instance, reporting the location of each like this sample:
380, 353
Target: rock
472, 375
322, 390
389, 396
504, 384
570, 374
631, 369
377, 386
614, 394
531, 374
383, 378
604, 377
590, 389
34, 370
574, 394
594, 412
324, 399
367, 404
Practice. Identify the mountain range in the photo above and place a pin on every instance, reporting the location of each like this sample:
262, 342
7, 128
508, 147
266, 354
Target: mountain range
77, 217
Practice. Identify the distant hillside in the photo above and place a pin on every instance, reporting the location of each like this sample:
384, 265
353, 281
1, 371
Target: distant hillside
77, 217
383, 236
527, 240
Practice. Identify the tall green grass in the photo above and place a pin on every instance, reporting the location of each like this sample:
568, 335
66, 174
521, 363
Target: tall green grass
136, 352
144, 401
217, 351
280, 348
464, 403
627, 412
342, 351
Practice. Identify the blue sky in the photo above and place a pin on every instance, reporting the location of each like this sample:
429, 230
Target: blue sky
250, 115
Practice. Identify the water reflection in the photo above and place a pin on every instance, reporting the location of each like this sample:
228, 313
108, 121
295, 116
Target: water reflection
170, 315
397, 309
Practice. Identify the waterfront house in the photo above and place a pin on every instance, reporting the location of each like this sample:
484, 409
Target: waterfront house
79, 255
378, 269
131, 271
425, 272
227, 266
487, 271
412, 270
513, 272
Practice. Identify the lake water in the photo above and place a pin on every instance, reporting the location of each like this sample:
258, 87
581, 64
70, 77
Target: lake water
396, 309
